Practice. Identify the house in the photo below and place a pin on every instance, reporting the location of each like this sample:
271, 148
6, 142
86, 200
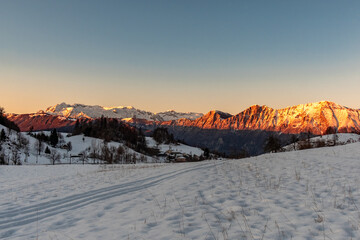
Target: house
173, 156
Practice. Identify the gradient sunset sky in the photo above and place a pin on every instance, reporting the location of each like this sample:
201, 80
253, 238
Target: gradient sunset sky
182, 55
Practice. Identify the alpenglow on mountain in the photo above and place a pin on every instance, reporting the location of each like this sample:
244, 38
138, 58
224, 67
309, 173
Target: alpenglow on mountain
317, 118
86, 111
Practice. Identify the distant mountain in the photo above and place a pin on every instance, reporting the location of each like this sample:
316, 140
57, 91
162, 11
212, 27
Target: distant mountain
173, 115
85, 111
219, 131
42, 121
63, 116
317, 118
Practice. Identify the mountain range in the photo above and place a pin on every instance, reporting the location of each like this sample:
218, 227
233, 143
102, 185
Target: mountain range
222, 132
317, 118
62, 116
85, 111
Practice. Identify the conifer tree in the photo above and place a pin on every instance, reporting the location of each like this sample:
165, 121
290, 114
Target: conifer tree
54, 138
2, 135
47, 150
272, 144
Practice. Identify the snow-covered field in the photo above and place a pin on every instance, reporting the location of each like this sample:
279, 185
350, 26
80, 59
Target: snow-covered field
174, 147
310, 194
340, 138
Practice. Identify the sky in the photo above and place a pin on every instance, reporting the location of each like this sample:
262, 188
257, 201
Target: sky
184, 55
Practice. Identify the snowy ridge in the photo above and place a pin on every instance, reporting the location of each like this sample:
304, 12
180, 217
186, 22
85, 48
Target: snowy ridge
173, 115
318, 118
86, 111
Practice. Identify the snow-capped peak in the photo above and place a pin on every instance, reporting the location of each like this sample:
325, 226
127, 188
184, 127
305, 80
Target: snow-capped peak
96, 111
318, 118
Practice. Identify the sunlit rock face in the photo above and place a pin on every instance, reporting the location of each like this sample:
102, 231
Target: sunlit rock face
317, 118
41, 121
63, 116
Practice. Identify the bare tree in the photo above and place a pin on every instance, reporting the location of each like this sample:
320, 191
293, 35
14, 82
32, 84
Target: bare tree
105, 153
294, 139
272, 144
54, 157
83, 156
22, 142
119, 155
61, 139
134, 158
68, 146
3, 157
9, 132
335, 139
39, 146
66, 156
94, 152
15, 157
143, 158
26, 152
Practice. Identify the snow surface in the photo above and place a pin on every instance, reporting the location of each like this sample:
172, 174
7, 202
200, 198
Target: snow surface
309, 194
342, 139
174, 147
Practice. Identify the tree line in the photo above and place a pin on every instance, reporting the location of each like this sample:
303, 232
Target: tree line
6, 122
112, 129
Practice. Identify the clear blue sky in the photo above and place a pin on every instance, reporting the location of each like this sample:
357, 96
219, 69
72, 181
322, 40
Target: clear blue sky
182, 55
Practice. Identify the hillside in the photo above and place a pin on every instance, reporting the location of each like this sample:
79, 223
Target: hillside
27, 153
22, 148
324, 141
310, 194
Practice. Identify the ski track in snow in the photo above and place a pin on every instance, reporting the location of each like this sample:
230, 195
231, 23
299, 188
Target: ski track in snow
17, 217
310, 194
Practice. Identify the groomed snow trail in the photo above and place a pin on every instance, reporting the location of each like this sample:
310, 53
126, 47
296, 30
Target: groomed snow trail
20, 216
312, 194
15, 217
